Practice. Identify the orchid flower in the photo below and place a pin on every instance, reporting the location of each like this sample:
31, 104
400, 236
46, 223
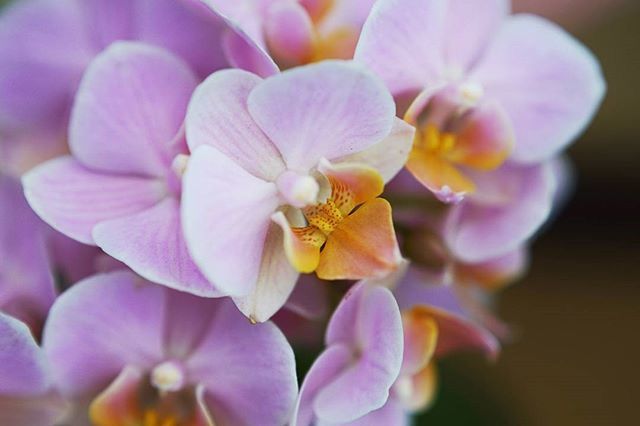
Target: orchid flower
484, 86
120, 189
284, 178
354, 374
145, 354
500, 218
46, 45
297, 32
27, 397
435, 325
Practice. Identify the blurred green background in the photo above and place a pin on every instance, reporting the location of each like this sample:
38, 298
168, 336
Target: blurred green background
577, 313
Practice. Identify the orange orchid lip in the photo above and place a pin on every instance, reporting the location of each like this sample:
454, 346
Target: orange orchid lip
348, 236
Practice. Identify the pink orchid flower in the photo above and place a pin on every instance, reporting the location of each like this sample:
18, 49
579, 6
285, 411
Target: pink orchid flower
297, 32
120, 189
284, 178
483, 86
46, 45
354, 374
145, 354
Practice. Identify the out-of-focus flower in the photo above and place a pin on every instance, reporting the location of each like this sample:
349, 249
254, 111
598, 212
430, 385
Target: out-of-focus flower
27, 287
435, 325
500, 218
45, 46
284, 178
297, 32
27, 397
354, 374
477, 75
510, 205
121, 188
145, 354
34, 258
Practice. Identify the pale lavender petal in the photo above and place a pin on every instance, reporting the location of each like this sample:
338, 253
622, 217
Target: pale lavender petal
402, 42
362, 388
246, 14
377, 336
248, 370
23, 366
218, 117
151, 243
43, 54
243, 42
106, 21
26, 397
226, 213
276, 280
391, 413
549, 84
188, 28
100, 325
470, 26
325, 369
73, 199
324, 110
130, 106
244, 53
388, 156
26, 283
477, 230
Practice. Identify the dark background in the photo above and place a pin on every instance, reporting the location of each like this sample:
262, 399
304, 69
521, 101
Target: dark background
577, 313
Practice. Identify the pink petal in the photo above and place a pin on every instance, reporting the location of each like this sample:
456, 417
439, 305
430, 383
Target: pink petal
26, 281
187, 28
110, 321
218, 117
402, 42
549, 84
470, 26
276, 280
243, 42
23, 366
391, 413
328, 109
43, 55
389, 155
369, 321
26, 396
226, 213
479, 230
248, 370
325, 368
73, 199
130, 106
151, 243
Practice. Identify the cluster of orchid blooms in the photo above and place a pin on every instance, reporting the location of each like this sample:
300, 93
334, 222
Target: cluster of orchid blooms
211, 176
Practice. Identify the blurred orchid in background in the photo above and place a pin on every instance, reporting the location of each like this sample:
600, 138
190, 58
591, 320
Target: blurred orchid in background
368, 174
